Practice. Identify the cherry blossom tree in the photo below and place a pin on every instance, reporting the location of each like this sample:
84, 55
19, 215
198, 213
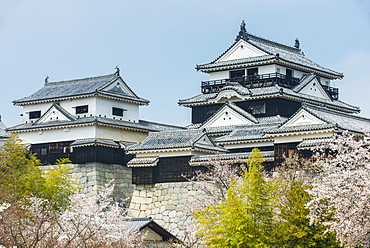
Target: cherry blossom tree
341, 196
88, 222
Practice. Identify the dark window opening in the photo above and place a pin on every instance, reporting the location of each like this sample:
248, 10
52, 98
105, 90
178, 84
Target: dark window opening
238, 73
35, 114
252, 71
289, 73
257, 108
117, 111
82, 109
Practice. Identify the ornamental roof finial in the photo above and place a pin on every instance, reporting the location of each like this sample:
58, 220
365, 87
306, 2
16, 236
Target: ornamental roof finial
242, 33
296, 44
117, 71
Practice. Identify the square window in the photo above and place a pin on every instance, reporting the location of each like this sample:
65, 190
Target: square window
117, 111
82, 109
35, 114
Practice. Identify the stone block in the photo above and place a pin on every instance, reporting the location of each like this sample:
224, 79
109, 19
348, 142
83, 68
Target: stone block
172, 214
155, 211
143, 207
133, 213
158, 217
176, 190
148, 213
170, 207
172, 227
166, 218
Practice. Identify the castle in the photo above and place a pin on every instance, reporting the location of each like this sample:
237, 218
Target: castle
260, 94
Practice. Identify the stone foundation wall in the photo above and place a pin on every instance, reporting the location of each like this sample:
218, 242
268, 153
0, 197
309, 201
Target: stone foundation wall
164, 202
93, 176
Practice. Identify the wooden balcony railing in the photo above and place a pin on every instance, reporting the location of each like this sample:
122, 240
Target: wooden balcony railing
333, 92
259, 80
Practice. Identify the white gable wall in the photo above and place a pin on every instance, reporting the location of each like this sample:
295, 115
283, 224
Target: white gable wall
303, 118
240, 50
314, 88
227, 117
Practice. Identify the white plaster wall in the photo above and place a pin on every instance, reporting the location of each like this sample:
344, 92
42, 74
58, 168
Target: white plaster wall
298, 74
119, 134
36, 107
104, 108
266, 69
70, 104
300, 137
67, 105
58, 135
250, 145
219, 75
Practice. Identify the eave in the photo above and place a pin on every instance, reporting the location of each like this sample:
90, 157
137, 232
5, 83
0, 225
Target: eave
95, 94
183, 149
275, 95
245, 141
74, 125
300, 133
275, 60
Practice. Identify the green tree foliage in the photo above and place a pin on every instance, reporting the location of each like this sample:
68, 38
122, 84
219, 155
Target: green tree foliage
245, 217
21, 176
265, 211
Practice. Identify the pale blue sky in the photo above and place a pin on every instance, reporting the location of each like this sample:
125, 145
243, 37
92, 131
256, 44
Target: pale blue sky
158, 43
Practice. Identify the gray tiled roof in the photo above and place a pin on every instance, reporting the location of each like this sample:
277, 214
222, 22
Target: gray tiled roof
143, 162
300, 128
95, 141
277, 119
332, 119
142, 125
260, 120
141, 223
310, 143
228, 157
246, 133
78, 87
266, 92
175, 139
343, 121
285, 53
